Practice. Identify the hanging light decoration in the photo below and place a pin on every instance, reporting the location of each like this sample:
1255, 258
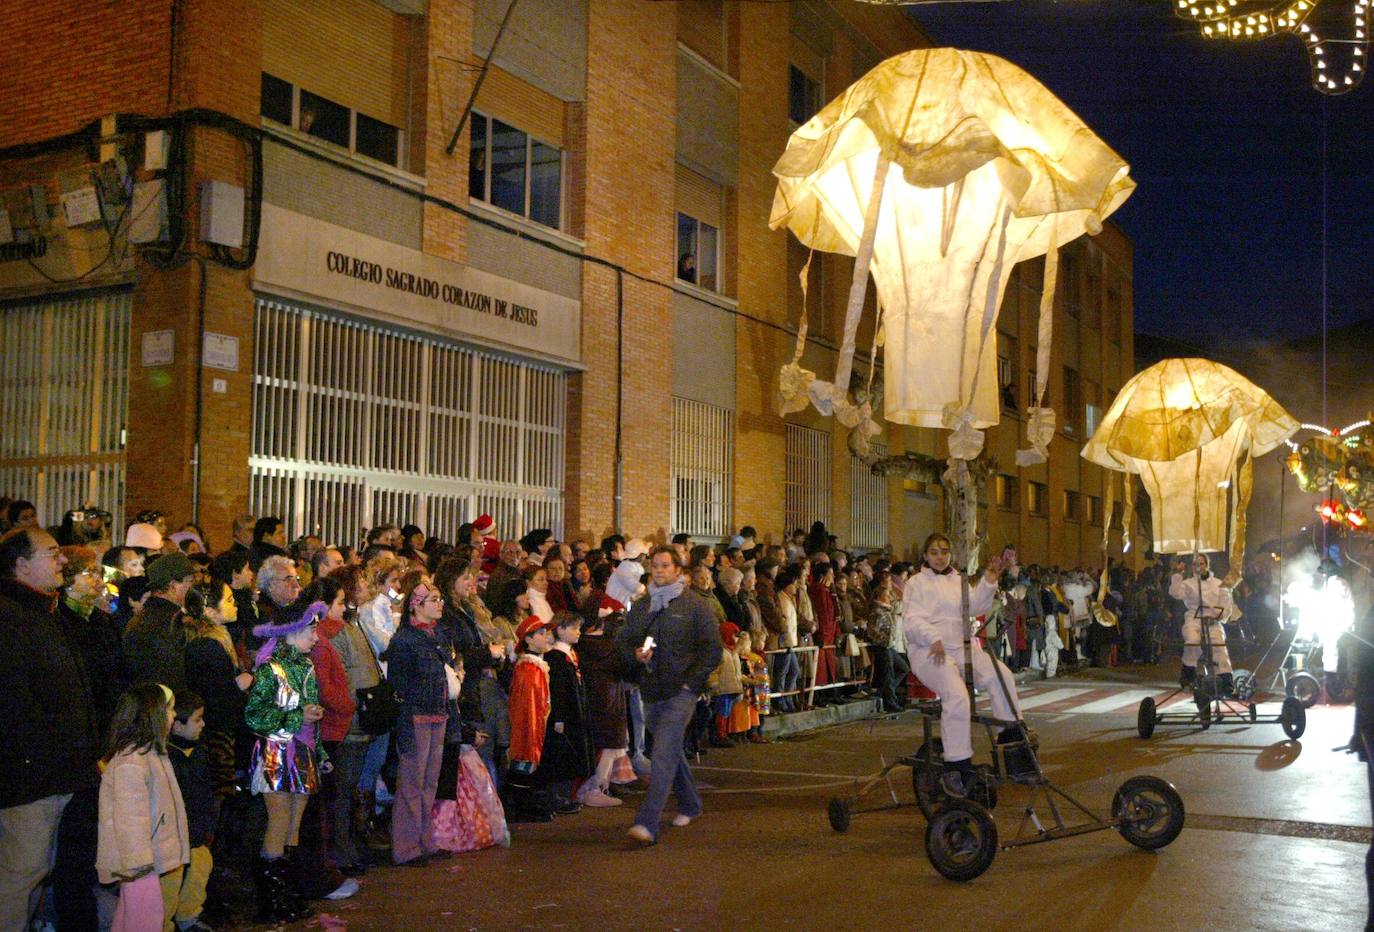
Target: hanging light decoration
1252, 20
1248, 20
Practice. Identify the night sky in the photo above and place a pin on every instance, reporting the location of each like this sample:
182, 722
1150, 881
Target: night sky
1224, 140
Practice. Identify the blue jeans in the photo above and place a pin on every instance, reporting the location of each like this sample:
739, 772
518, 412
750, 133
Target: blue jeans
667, 720
372, 763
636, 711
786, 672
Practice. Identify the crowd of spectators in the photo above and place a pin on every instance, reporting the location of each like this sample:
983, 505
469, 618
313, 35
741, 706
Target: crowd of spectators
184, 716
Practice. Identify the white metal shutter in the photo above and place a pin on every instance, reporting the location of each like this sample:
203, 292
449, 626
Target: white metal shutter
357, 424
703, 456
64, 389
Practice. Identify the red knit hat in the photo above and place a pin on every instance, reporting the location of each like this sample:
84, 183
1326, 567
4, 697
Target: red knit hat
484, 524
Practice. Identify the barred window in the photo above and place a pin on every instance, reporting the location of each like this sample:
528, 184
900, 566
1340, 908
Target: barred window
64, 389
703, 458
807, 484
356, 424
867, 504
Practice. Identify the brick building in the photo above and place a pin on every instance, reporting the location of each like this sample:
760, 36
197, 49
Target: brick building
569, 314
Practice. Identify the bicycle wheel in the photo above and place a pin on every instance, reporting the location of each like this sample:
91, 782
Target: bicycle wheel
961, 840
1149, 810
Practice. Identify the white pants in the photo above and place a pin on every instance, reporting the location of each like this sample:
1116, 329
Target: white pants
947, 681
1192, 635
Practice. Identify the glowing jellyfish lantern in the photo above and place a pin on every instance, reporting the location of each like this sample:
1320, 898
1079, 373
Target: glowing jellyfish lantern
1189, 428
939, 170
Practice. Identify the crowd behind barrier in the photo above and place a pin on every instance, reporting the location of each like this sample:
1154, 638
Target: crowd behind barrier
202, 730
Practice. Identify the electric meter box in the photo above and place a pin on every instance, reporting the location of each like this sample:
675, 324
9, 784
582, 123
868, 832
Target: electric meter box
221, 213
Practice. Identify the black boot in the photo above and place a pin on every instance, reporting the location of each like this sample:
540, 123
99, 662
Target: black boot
1186, 676
274, 897
1225, 684
295, 886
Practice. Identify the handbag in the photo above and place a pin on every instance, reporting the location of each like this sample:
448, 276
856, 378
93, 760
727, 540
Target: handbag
851, 646
377, 706
454, 685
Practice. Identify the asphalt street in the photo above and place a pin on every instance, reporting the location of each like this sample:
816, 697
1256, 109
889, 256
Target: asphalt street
1275, 838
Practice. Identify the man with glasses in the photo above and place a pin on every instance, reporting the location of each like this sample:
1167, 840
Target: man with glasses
279, 584
155, 640
51, 741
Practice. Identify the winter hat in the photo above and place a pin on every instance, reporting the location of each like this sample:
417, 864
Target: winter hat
291, 619
484, 525
527, 627
728, 630
181, 536
635, 548
167, 569
143, 536
625, 583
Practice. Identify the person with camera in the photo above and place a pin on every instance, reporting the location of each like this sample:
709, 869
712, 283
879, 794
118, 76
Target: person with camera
1205, 599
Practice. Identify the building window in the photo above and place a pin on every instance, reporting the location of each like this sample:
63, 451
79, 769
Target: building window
803, 95
1095, 510
285, 103
867, 504
1068, 281
481, 433
1031, 400
510, 169
1007, 491
916, 487
1092, 407
1092, 300
64, 389
698, 253
1073, 402
1073, 505
806, 488
1006, 377
1039, 498
1113, 312
702, 458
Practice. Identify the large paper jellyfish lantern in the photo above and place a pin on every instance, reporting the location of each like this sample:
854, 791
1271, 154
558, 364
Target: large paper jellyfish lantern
939, 170
1189, 428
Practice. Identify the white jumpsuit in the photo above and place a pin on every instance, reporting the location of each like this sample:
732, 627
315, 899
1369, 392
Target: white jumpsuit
930, 613
1216, 604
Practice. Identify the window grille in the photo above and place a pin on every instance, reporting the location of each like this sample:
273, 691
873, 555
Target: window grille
64, 388
356, 424
868, 504
807, 484
703, 457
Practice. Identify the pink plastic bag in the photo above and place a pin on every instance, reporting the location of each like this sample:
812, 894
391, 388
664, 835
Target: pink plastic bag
474, 820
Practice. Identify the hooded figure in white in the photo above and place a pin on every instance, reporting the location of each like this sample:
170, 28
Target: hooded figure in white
934, 629
1206, 599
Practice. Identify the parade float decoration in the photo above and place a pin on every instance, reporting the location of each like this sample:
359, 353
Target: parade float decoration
1339, 466
939, 170
1190, 430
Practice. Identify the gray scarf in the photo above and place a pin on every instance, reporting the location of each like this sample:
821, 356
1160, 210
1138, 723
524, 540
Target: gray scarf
660, 596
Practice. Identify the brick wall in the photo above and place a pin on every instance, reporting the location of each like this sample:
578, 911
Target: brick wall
624, 136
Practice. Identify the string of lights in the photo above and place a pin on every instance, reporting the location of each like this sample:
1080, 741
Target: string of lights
1248, 21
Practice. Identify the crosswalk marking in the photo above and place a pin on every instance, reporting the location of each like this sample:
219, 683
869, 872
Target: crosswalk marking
1034, 701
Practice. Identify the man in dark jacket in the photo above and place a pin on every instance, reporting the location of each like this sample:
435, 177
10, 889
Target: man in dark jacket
155, 641
684, 651
51, 746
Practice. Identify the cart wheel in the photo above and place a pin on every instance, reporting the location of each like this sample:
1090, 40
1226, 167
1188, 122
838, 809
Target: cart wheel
961, 840
925, 777
1149, 811
1304, 688
1145, 717
1254, 713
840, 813
1293, 717
1338, 688
984, 791
1243, 685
